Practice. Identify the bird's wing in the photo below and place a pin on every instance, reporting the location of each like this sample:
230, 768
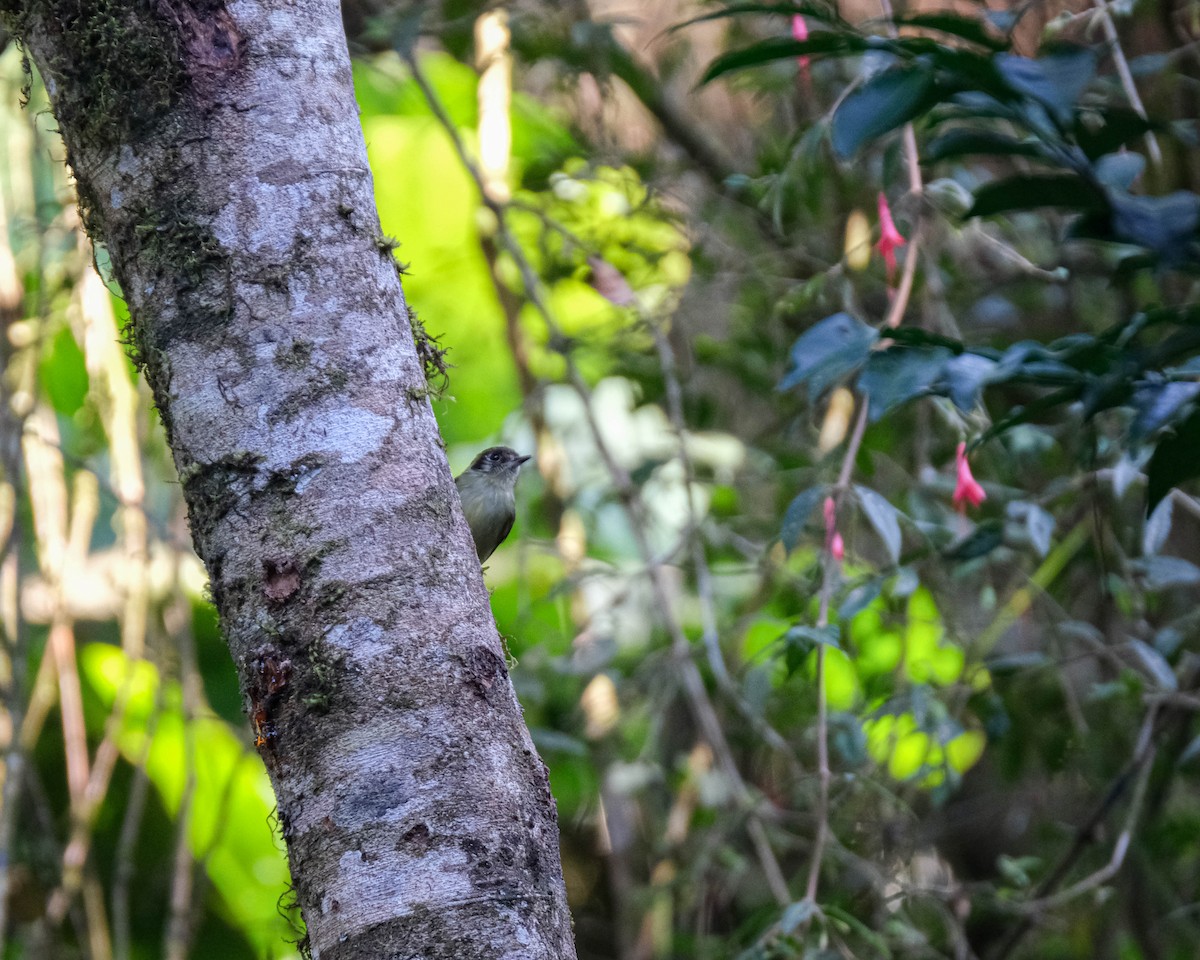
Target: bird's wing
504, 532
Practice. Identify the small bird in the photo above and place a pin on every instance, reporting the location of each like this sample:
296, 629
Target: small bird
486, 491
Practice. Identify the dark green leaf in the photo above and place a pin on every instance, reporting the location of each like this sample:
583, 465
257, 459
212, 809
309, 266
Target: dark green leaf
964, 378
795, 518
978, 543
1155, 663
1167, 225
1027, 412
898, 374
882, 104
1055, 81
1174, 460
1156, 405
807, 637
968, 28
800, 641
883, 517
858, 599
962, 143
916, 337
1102, 132
827, 352
1158, 527
784, 48
1164, 573
1120, 170
1030, 192
796, 914
1034, 524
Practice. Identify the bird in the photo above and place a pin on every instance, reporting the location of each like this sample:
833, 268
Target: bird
486, 491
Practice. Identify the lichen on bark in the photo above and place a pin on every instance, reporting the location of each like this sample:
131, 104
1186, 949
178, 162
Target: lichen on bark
237, 206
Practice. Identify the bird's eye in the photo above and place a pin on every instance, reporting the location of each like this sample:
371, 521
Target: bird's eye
493, 456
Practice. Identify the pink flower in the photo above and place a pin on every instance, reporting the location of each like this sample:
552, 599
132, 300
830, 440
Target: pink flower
889, 237
833, 540
966, 489
800, 32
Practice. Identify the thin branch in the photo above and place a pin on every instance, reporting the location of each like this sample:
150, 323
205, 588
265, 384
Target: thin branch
829, 579
1085, 834
1127, 81
703, 711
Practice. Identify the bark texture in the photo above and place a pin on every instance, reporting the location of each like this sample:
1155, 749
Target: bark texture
219, 156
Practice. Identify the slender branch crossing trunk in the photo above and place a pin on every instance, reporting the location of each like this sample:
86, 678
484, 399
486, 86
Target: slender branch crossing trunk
219, 156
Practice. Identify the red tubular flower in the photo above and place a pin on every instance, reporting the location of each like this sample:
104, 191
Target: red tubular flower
833, 540
889, 237
966, 488
800, 32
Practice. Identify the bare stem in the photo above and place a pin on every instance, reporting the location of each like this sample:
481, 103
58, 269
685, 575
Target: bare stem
701, 706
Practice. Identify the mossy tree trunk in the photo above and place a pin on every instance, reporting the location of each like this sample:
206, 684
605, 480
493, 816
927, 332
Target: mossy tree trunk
219, 157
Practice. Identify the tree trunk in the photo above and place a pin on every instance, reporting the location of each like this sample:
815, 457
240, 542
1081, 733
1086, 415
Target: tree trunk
219, 156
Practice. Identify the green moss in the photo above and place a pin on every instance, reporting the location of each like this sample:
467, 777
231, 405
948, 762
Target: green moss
212, 489
117, 65
431, 355
297, 356
322, 382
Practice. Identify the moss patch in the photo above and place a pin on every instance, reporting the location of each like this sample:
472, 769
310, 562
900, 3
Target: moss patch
116, 66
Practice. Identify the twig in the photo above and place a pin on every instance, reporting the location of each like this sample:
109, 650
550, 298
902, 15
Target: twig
1127, 82
829, 579
127, 842
710, 634
692, 682
1085, 835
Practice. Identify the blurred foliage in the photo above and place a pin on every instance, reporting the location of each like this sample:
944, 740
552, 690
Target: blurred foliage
723, 584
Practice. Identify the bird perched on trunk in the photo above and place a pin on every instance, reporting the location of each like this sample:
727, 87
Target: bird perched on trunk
486, 491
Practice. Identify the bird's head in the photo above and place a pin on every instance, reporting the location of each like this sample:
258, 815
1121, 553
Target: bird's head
498, 464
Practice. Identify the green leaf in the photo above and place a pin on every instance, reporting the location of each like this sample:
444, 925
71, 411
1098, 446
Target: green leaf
859, 598
1157, 528
1174, 460
883, 517
795, 518
1167, 225
1159, 404
784, 48
1055, 81
827, 352
1036, 524
964, 377
1155, 663
796, 914
883, 103
800, 641
1120, 170
1030, 192
898, 374
1116, 127
1164, 573
978, 543
966, 28
962, 143
807, 637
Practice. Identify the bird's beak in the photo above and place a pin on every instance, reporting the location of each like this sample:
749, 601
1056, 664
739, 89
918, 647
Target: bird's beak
524, 458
